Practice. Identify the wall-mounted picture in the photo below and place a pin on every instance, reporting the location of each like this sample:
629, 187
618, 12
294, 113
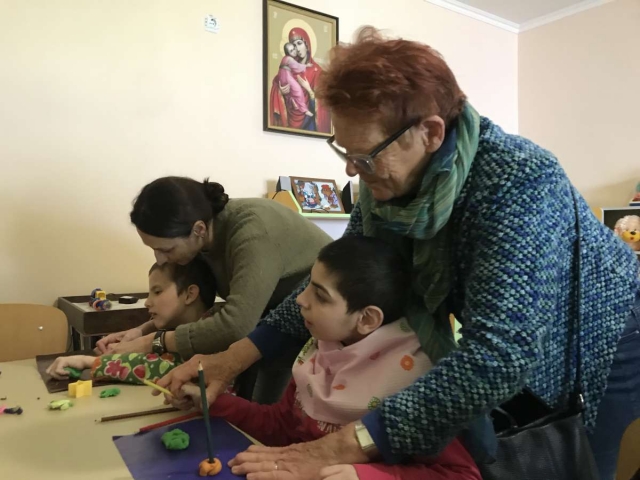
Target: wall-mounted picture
296, 45
317, 195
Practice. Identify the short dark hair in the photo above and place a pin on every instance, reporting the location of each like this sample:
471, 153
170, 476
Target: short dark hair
196, 272
169, 206
369, 271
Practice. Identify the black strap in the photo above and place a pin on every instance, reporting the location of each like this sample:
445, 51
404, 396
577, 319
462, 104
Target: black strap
577, 399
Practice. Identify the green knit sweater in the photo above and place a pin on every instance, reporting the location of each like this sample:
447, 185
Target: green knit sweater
262, 251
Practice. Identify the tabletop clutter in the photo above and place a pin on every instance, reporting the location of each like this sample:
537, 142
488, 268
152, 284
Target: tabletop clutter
191, 444
174, 445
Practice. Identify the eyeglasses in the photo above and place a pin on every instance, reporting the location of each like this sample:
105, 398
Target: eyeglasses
365, 162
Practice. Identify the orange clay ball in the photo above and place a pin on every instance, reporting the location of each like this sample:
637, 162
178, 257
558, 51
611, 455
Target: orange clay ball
210, 469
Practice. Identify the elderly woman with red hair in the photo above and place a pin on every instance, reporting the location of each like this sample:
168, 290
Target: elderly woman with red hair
489, 221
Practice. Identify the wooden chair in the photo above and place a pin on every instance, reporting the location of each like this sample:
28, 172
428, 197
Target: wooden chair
629, 456
30, 330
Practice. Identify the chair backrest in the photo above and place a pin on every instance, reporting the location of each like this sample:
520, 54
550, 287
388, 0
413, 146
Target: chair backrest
30, 330
629, 456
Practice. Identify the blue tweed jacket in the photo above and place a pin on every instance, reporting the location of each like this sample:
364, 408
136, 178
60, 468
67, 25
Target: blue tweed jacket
515, 282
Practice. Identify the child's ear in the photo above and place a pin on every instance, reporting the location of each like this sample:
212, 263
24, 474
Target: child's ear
370, 320
193, 292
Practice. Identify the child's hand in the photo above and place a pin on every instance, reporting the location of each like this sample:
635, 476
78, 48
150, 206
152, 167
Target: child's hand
138, 345
120, 337
188, 398
79, 362
339, 472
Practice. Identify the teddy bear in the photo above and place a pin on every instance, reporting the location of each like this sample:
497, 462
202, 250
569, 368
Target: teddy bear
628, 229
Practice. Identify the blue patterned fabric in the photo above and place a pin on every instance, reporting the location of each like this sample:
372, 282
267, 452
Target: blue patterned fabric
513, 289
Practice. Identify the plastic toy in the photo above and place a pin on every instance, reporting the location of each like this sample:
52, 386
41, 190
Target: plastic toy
99, 300
81, 388
628, 229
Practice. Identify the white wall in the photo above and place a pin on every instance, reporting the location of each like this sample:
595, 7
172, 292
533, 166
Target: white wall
578, 88
99, 98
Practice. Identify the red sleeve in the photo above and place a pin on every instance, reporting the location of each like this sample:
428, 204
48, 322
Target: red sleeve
454, 463
272, 425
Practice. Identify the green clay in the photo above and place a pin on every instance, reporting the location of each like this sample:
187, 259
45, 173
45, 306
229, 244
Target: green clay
109, 392
175, 439
73, 372
60, 404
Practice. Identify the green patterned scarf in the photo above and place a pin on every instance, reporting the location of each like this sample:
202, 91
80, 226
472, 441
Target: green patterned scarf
420, 229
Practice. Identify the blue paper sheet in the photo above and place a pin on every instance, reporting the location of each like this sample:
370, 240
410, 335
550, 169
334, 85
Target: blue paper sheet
148, 459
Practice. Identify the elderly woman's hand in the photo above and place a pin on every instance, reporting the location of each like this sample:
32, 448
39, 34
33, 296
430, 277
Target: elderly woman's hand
302, 461
219, 369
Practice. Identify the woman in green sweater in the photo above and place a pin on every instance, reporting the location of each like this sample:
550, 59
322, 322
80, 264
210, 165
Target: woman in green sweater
258, 250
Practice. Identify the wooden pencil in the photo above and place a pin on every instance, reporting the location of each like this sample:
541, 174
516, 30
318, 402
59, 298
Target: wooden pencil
205, 412
149, 383
171, 421
142, 413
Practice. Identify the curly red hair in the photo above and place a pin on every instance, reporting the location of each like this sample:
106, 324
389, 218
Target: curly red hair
392, 80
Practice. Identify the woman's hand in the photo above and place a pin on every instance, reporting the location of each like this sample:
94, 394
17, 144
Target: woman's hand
79, 362
302, 461
139, 345
128, 335
219, 371
339, 472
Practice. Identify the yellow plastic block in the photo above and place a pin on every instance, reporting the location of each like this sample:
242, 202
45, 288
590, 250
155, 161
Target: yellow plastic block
81, 388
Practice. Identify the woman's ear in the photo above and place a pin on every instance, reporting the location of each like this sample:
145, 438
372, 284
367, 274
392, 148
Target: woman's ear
193, 292
199, 229
370, 320
433, 132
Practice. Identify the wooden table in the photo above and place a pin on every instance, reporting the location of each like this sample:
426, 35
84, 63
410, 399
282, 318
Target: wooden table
86, 322
69, 445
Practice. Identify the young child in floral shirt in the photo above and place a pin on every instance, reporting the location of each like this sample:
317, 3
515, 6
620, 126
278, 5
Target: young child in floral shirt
361, 351
177, 294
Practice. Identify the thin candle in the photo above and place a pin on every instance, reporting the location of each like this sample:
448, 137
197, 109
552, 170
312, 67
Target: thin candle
205, 411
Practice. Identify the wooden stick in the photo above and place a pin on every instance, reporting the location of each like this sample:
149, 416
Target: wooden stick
171, 421
205, 411
149, 383
138, 414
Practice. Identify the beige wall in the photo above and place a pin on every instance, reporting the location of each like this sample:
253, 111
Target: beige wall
578, 97
99, 98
